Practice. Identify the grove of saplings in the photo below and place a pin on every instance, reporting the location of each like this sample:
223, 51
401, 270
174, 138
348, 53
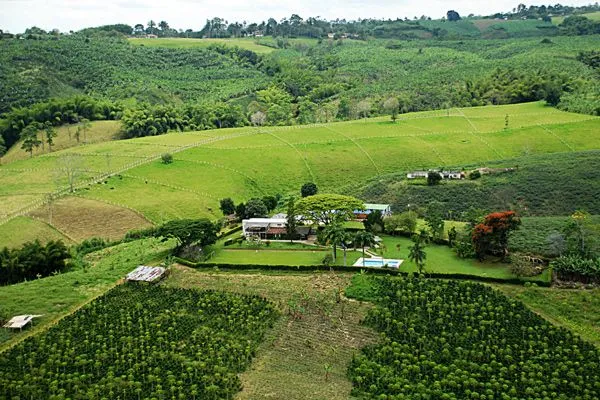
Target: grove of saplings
141, 342
461, 340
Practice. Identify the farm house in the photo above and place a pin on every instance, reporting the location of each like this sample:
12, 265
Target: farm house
271, 228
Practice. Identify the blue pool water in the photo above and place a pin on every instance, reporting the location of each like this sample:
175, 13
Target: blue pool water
377, 263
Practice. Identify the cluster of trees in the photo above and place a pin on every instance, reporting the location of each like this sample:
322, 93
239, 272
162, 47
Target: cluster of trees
32, 260
55, 112
578, 247
544, 12
458, 340
578, 25
151, 121
142, 342
253, 208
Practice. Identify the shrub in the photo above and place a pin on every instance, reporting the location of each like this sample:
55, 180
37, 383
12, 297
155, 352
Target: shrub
475, 175
433, 178
576, 268
166, 158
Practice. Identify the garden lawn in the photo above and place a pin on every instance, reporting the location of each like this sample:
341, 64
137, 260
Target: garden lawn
280, 257
441, 259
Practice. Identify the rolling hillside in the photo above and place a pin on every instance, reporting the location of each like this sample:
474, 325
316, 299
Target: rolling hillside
245, 162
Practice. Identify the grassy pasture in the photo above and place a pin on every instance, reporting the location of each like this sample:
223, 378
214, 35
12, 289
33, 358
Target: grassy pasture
100, 131
243, 43
246, 162
26, 229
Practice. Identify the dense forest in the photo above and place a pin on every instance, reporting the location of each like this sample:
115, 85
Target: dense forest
156, 89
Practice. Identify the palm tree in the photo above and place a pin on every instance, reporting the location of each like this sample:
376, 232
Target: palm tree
417, 253
334, 234
364, 239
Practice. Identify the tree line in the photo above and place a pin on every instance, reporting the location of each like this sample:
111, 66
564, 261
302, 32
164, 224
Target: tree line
31, 261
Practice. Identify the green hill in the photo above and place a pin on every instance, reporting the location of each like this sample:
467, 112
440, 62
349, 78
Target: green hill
246, 162
542, 185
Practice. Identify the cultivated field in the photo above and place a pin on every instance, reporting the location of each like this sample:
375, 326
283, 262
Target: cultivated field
252, 44
246, 162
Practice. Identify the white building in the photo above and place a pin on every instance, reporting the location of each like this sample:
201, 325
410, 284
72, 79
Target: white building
264, 227
385, 210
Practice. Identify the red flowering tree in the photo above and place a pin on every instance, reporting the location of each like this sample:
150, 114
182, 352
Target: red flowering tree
491, 236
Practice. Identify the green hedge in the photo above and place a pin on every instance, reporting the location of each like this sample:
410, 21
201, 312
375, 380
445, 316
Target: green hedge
384, 271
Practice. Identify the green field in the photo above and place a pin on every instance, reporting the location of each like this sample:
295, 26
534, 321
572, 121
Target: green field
99, 131
244, 43
25, 229
210, 165
441, 259
577, 310
595, 16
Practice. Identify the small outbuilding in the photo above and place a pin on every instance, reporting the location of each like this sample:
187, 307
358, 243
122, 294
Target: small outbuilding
20, 321
146, 274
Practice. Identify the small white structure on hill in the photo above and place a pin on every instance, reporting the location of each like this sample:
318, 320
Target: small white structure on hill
20, 321
385, 210
417, 174
146, 274
444, 174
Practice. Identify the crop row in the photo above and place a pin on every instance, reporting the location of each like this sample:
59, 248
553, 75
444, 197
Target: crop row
460, 340
141, 341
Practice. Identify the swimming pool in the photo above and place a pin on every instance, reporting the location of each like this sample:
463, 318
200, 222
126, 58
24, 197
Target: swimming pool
378, 263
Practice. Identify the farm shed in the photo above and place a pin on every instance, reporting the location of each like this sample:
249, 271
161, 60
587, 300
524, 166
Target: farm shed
20, 321
146, 274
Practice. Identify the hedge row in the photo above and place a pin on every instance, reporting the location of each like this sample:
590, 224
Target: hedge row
313, 268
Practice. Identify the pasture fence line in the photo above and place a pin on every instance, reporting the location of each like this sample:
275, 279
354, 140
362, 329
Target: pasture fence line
557, 137
103, 176
179, 188
225, 168
65, 234
310, 172
359, 146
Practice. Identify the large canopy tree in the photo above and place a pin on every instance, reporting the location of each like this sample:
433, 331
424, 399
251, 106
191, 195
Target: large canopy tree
491, 236
324, 208
189, 231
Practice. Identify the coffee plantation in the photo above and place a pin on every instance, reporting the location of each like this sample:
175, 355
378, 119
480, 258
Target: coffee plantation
141, 341
460, 340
